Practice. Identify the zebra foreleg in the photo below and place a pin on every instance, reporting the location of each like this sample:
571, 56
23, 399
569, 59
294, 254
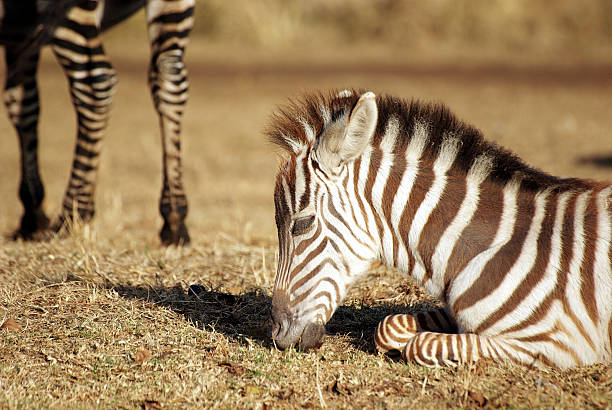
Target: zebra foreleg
21, 100
395, 331
169, 25
78, 48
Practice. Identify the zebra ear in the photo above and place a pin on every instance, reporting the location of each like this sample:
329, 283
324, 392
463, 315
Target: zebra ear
341, 146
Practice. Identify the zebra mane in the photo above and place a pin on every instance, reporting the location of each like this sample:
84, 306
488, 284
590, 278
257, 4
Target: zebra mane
297, 126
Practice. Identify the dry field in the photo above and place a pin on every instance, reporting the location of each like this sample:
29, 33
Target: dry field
103, 318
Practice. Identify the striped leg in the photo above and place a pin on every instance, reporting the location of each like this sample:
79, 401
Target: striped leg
395, 331
437, 349
77, 46
21, 100
170, 22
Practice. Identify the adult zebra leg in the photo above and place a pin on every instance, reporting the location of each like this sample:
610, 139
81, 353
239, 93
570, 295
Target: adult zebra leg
437, 349
92, 80
169, 25
21, 100
395, 331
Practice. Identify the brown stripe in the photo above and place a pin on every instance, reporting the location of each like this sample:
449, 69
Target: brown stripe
534, 276
479, 348
568, 236
356, 168
310, 275
529, 353
610, 333
587, 290
306, 195
307, 242
468, 345
440, 218
375, 162
352, 209
436, 321
546, 337
317, 307
422, 183
496, 269
451, 325
348, 226
333, 229
479, 233
429, 348
316, 251
393, 182
422, 319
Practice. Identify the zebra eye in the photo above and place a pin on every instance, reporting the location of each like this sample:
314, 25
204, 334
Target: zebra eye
301, 225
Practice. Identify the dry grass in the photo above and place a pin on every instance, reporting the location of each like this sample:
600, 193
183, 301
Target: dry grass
104, 317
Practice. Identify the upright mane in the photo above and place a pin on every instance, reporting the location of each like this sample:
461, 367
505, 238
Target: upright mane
297, 126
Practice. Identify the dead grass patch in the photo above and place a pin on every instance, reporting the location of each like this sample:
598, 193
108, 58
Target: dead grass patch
139, 327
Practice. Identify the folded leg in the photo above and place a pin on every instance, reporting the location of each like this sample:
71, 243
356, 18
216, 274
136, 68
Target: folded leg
395, 331
437, 349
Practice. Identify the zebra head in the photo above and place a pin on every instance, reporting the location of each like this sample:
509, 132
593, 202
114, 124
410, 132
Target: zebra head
324, 242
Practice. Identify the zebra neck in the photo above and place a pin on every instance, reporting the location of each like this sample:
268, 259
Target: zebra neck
429, 219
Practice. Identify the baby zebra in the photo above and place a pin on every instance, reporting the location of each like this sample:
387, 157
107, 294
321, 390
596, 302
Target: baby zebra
520, 258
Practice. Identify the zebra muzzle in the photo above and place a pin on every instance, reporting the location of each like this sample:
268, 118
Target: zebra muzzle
286, 332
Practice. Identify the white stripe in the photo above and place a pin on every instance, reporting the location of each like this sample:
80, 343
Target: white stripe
573, 290
477, 174
325, 114
300, 181
470, 274
364, 169
352, 193
287, 194
547, 325
360, 250
477, 313
382, 177
308, 130
548, 281
445, 159
413, 155
294, 145
603, 274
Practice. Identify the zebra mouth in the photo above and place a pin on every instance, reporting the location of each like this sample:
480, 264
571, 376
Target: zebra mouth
287, 334
312, 337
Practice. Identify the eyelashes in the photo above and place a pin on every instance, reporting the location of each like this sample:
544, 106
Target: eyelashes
302, 225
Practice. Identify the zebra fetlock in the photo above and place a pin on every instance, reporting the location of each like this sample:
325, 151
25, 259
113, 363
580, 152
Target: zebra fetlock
520, 259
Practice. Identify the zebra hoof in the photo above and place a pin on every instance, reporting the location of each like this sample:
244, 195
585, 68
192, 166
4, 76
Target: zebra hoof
32, 227
174, 235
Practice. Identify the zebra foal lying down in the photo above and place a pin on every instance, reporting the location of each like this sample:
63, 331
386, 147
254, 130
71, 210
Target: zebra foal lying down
520, 258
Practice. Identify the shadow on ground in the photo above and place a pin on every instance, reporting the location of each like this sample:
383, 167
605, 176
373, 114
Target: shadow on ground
246, 315
603, 161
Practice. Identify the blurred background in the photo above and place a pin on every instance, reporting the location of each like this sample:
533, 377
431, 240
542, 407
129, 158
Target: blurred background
563, 29
534, 75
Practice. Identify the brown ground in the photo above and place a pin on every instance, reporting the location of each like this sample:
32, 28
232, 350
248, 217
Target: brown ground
104, 319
